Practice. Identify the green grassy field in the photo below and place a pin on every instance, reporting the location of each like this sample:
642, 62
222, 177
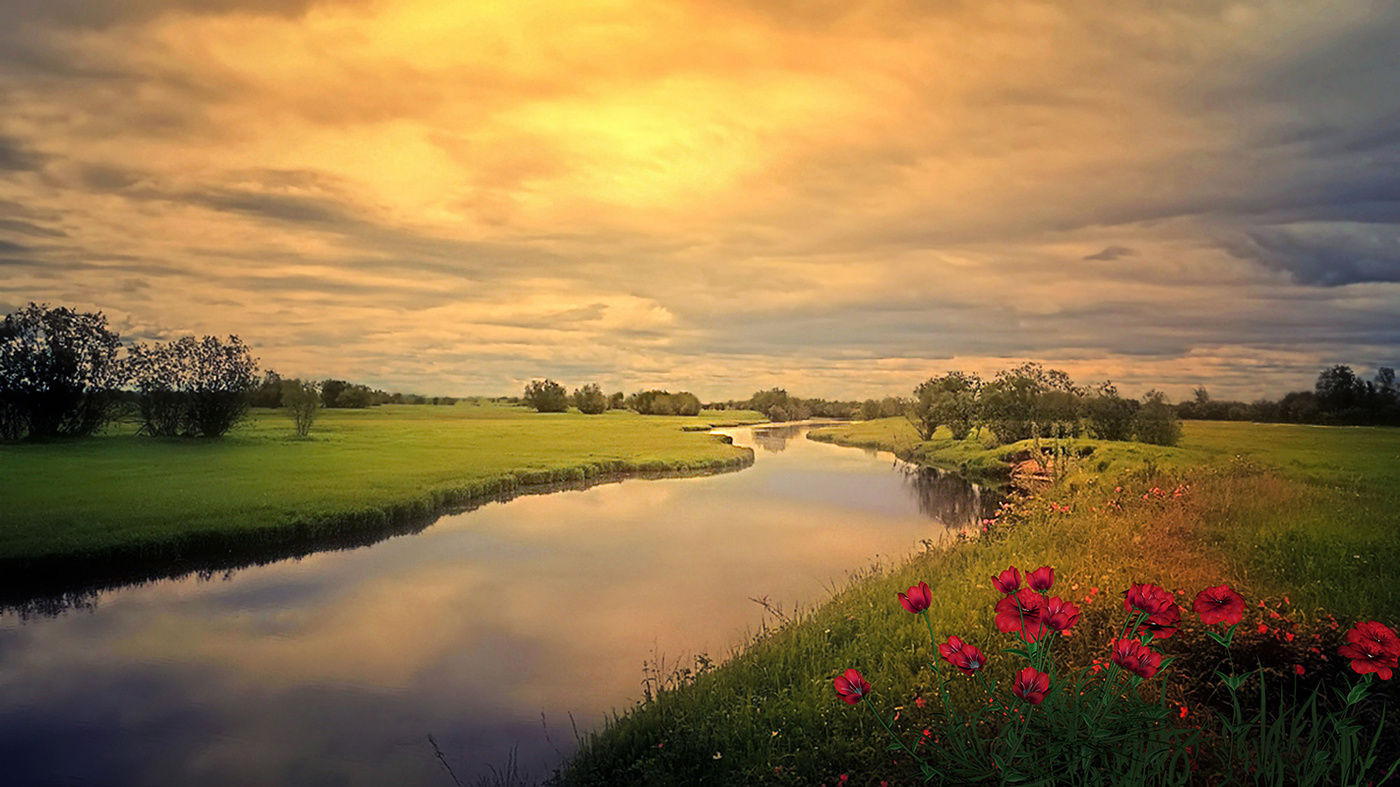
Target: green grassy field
1305, 518
121, 491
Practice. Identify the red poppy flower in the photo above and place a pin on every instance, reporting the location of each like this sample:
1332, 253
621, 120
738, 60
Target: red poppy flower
917, 599
1367, 654
1021, 613
1008, 581
962, 655
1374, 632
1147, 598
851, 686
1219, 604
1163, 624
1136, 658
1041, 579
1031, 685
1059, 615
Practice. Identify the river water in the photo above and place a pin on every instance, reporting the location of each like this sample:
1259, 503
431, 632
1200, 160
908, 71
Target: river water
495, 631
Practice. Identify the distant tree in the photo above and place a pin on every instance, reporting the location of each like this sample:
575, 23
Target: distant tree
302, 400
1342, 397
870, 409
59, 372
547, 396
617, 401
269, 391
1156, 421
685, 403
590, 400
355, 396
1110, 415
330, 392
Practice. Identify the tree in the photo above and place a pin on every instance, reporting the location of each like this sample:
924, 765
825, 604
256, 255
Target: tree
302, 400
590, 399
547, 396
1156, 421
193, 387
950, 400
269, 391
1110, 415
1342, 397
58, 372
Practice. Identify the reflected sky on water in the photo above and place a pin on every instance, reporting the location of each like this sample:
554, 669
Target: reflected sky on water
333, 669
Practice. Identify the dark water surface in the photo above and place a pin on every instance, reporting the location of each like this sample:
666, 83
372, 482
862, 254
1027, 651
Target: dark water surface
334, 669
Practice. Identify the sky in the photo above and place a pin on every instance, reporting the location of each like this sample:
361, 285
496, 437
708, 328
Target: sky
838, 197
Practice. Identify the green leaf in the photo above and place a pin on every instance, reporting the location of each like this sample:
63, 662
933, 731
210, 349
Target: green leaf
1357, 693
1017, 652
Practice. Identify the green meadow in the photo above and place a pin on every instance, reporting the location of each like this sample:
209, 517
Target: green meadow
1304, 519
121, 491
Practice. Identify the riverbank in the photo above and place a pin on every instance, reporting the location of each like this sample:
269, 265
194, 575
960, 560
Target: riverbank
1304, 519
120, 498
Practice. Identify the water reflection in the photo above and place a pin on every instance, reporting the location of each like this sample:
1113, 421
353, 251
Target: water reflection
334, 669
948, 497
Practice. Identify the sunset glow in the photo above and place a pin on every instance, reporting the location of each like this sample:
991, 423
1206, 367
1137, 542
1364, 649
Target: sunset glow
839, 198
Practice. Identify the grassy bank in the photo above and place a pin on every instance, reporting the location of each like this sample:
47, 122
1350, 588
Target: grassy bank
1304, 517
120, 492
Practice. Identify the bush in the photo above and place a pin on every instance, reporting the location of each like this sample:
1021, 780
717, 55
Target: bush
193, 387
547, 396
590, 400
58, 373
1156, 421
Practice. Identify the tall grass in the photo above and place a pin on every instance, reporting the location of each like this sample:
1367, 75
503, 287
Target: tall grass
1283, 526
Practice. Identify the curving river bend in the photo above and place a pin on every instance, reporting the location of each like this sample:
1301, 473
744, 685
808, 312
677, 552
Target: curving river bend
486, 630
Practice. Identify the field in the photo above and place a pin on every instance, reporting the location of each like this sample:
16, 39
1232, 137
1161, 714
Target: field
124, 492
1304, 521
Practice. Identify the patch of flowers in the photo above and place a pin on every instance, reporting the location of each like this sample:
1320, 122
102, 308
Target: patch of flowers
1105, 724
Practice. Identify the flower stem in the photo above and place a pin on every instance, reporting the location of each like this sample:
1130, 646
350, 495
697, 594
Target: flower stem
893, 734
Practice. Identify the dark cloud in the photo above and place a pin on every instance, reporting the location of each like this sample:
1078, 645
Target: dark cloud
292, 209
33, 230
1111, 253
1329, 256
14, 157
85, 14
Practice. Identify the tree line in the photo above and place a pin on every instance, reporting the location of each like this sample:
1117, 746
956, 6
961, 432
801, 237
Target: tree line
66, 373
548, 396
1340, 397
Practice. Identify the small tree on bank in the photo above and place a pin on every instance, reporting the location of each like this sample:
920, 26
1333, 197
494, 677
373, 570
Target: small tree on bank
302, 400
547, 396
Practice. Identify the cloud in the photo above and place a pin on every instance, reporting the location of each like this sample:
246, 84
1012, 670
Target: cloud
845, 193
1111, 253
1326, 255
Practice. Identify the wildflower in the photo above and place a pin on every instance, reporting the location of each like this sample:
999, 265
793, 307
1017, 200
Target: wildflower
920, 702
1219, 604
1375, 632
1263, 629
851, 686
1368, 654
1136, 658
1008, 581
962, 655
1298, 669
1021, 613
1031, 685
1147, 598
917, 599
1059, 615
1163, 624
1041, 579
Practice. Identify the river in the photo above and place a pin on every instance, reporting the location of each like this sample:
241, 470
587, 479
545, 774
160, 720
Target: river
497, 631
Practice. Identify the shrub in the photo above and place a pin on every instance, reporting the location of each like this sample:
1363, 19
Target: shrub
547, 396
58, 373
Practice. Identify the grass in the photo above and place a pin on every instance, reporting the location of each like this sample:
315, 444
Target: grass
123, 492
1305, 517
